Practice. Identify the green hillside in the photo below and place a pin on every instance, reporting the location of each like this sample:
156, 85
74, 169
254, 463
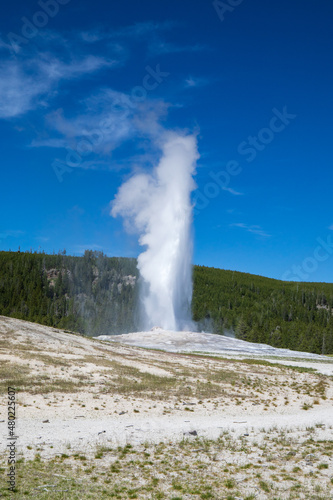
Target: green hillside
95, 294
283, 314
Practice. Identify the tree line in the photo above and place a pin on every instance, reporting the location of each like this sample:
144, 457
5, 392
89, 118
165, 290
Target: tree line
292, 315
95, 294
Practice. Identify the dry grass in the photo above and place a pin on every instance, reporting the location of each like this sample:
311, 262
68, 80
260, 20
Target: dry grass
185, 375
260, 465
19, 376
290, 467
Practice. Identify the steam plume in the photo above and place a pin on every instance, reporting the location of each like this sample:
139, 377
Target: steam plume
158, 207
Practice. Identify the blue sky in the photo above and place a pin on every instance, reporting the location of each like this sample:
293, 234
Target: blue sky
84, 84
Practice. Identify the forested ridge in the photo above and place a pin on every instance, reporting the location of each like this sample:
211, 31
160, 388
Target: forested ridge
295, 315
93, 294
96, 294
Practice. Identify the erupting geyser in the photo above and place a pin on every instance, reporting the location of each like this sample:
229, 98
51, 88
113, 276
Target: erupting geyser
158, 207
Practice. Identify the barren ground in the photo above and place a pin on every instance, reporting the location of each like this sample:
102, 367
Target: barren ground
100, 419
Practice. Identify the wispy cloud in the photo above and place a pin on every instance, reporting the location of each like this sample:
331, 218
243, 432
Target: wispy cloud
11, 234
19, 91
92, 36
32, 78
42, 239
141, 29
106, 120
76, 211
4, 45
56, 70
150, 32
162, 47
331, 228
251, 229
26, 85
232, 191
193, 82
101, 165
133, 31
49, 143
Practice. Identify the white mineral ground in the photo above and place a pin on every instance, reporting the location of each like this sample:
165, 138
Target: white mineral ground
54, 421
157, 338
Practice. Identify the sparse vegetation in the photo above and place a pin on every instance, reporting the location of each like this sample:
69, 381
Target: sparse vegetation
126, 472
53, 371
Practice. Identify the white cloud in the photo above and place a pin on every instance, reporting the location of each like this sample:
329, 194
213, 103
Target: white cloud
28, 84
103, 121
107, 120
18, 90
251, 229
331, 228
56, 70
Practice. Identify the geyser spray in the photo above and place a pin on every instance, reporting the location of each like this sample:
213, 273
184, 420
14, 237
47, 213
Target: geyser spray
158, 207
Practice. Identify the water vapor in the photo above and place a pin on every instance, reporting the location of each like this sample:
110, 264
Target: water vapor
157, 205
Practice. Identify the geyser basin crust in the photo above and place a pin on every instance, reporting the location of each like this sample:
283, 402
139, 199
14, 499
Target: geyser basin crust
173, 341
79, 396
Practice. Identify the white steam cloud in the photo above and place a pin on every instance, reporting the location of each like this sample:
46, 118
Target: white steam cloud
158, 207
